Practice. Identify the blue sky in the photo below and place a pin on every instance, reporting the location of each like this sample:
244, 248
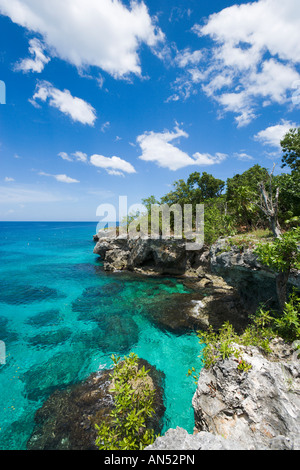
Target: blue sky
107, 98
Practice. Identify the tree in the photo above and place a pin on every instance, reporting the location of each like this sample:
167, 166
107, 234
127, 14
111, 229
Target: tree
289, 201
195, 190
242, 195
205, 186
290, 145
149, 201
281, 256
269, 205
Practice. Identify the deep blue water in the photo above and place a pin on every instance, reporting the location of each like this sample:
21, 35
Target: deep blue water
62, 317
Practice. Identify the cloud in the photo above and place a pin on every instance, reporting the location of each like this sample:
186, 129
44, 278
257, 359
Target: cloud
37, 64
186, 57
113, 165
77, 156
89, 33
253, 59
65, 156
9, 180
60, 178
115, 173
105, 126
272, 136
76, 108
23, 195
156, 147
244, 157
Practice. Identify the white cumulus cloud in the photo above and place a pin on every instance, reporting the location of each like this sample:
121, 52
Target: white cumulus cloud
97, 33
113, 165
60, 178
157, 148
76, 108
37, 64
272, 136
253, 59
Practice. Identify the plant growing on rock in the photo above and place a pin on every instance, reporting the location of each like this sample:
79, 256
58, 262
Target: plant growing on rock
133, 399
222, 344
281, 256
288, 324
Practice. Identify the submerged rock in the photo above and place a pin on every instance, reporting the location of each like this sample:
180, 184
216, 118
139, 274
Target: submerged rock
49, 339
67, 419
6, 334
27, 294
49, 317
59, 371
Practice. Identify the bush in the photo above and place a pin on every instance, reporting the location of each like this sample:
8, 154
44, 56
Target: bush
264, 326
281, 256
287, 325
223, 344
133, 400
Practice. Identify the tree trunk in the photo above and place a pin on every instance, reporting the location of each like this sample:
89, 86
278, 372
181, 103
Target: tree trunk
275, 227
270, 206
281, 288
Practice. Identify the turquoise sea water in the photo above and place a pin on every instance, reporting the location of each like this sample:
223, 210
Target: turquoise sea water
62, 317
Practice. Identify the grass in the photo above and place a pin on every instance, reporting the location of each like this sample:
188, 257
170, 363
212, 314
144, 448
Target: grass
250, 239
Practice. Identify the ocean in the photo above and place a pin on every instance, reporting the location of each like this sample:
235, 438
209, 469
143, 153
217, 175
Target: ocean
62, 317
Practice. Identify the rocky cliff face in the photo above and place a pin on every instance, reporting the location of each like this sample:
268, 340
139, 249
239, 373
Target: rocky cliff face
148, 256
258, 409
254, 410
238, 267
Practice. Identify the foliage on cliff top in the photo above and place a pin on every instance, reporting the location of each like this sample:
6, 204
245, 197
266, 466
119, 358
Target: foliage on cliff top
235, 206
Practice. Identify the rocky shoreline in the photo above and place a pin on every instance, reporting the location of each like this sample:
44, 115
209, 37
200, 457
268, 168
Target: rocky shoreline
234, 410
254, 410
258, 409
219, 268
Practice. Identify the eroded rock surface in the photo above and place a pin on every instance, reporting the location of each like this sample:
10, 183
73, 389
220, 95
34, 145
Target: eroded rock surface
259, 408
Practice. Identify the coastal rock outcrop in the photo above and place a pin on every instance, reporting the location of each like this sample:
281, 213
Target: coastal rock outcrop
179, 439
259, 408
238, 410
149, 256
67, 419
239, 267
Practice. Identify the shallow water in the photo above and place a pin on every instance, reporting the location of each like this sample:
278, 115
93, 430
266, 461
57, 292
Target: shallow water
62, 317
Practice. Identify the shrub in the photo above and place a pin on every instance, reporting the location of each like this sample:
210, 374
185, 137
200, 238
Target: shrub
133, 400
288, 323
281, 256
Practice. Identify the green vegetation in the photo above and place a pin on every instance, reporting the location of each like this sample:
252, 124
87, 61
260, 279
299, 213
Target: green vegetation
224, 343
257, 210
133, 399
264, 326
260, 211
291, 148
282, 255
246, 203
